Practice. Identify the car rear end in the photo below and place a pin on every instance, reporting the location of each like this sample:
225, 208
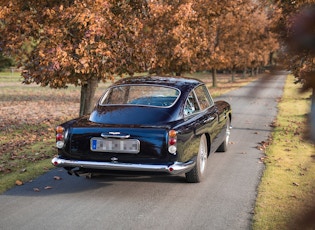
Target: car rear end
103, 147
130, 144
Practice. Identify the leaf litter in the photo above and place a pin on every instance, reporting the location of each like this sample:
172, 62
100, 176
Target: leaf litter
28, 116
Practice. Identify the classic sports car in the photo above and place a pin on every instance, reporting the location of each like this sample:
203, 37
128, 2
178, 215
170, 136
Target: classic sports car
165, 125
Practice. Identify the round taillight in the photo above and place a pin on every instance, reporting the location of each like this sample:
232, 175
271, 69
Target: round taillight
59, 137
172, 149
60, 144
60, 129
172, 141
172, 133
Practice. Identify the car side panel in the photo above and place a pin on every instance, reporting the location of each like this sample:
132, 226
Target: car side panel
224, 113
189, 132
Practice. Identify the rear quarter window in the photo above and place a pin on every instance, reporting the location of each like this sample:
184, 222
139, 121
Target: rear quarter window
203, 96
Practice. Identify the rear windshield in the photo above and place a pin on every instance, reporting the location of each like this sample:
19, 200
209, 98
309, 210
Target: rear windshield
145, 95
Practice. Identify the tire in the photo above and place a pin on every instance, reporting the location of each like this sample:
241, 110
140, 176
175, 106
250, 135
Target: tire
224, 146
198, 172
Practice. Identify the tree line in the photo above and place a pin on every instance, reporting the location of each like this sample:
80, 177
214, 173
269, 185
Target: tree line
83, 42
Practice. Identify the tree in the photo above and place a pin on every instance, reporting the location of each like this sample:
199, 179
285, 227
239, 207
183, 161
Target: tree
171, 34
296, 30
4, 61
82, 42
183, 35
245, 36
76, 42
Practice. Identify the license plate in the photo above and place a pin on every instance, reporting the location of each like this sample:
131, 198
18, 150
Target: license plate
115, 145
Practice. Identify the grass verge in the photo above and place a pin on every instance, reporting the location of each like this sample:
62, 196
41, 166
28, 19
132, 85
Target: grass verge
286, 194
25, 153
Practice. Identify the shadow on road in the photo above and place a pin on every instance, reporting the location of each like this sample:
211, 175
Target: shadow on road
47, 184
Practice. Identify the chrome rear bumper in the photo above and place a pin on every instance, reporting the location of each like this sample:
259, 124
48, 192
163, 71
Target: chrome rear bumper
175, 168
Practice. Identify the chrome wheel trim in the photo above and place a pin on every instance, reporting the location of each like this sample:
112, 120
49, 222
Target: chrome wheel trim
228, 133
203, 155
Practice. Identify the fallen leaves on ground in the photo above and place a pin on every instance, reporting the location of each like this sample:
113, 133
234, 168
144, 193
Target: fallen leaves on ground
19, 182
28, 116
262, 145
57, 178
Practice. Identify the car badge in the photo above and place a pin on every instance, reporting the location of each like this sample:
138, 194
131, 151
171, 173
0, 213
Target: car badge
114, 133
114, 159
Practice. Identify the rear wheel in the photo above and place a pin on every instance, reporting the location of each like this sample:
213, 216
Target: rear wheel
197, 173
224, 146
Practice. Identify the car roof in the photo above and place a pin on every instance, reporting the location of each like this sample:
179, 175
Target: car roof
181, 83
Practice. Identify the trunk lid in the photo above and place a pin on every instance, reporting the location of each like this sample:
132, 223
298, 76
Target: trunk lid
124, 144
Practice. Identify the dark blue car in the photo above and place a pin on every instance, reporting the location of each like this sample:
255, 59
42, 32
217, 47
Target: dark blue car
151, 124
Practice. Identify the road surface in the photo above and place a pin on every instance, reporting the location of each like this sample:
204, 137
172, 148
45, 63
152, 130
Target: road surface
224, 200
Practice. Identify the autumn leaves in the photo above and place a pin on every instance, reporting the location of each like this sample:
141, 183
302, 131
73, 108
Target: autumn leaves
84, 41
72, 42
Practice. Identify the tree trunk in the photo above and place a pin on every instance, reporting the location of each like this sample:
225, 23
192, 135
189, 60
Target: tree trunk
252, 72
87, 96
312, 117
271, 58
214, 78
233, 75
244, 72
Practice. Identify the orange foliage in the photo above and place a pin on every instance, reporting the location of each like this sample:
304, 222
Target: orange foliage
65, 42
297, 30
70, 41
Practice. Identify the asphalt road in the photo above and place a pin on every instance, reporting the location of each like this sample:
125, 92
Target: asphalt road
225, 200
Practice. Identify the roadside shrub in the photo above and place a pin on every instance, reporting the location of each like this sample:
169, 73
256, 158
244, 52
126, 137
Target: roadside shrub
5, 62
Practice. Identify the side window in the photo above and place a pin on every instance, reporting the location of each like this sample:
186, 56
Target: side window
191, 105
204, 98
116, 95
